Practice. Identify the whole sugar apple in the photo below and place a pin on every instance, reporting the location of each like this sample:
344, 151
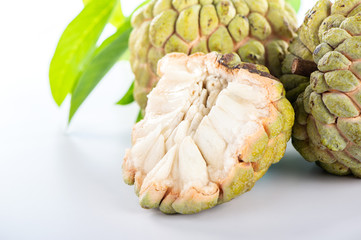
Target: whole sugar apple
211, 129
257, 30
325, 61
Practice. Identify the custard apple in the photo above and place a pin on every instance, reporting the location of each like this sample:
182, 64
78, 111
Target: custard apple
328, 123
212, 128
257, 30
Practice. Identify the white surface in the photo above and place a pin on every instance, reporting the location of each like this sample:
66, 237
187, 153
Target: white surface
65, 183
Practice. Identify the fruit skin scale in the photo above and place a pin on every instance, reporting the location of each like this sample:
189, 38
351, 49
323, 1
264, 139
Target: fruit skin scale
160, 188
258, 31
328, 106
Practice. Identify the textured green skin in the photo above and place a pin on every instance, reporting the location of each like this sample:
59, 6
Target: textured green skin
191, 206
258, 30
328, 124
242, 182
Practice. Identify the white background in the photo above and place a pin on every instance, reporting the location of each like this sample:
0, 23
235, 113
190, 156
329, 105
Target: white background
59, 182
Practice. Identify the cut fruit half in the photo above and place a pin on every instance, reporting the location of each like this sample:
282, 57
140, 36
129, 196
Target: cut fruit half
212, 128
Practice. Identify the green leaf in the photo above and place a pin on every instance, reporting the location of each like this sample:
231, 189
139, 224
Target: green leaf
296, 4
76, 46
103, 60
125, 56
128, 96
139, 117
117, 18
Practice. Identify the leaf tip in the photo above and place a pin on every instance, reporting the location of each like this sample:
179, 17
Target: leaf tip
57, 98
72, 111
139, 117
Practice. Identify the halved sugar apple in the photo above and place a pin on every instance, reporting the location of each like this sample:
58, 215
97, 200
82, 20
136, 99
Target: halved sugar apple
328, 121
257, 30
211, 129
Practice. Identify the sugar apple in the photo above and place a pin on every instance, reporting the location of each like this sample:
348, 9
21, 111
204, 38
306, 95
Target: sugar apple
258, 30
326, 59
212, 128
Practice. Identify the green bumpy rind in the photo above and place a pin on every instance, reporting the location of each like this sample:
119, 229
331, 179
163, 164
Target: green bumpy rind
327, 129
258, 31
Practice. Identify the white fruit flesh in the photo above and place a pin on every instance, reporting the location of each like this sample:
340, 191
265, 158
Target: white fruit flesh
198, 121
